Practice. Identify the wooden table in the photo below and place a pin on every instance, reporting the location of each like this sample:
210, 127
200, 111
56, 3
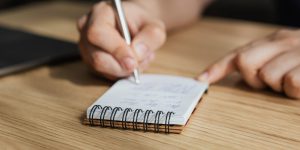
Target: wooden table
41, 108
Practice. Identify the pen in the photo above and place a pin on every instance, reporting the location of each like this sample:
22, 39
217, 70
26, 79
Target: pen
123, 27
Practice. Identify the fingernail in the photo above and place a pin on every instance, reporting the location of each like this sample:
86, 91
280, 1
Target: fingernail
141, 50
128, 63
204, 77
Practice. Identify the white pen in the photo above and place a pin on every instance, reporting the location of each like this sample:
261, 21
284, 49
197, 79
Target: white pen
124, 31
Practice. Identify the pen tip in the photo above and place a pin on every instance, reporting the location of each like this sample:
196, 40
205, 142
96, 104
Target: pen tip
137, 81
136, 76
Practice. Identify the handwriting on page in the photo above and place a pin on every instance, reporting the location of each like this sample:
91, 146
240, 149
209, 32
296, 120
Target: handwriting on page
175, 88
155, 92
155, 95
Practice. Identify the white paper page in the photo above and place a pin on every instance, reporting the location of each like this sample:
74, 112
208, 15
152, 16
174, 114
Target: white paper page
155, 92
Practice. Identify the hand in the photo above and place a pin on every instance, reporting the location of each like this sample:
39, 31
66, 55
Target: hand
272, 61
104, 49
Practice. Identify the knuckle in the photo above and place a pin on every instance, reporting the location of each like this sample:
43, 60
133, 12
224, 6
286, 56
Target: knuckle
288, 79
282, 32
270, 79
291, 41
242, 60
121, 51
99, 62
248, 70
286, 36
292, 85
103, 7
265, 76
93, 34
159, 33
100, 5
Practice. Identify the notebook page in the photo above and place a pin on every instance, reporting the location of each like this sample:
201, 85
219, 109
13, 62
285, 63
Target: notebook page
156, 92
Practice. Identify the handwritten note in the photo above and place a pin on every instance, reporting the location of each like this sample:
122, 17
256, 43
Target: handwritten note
155, 92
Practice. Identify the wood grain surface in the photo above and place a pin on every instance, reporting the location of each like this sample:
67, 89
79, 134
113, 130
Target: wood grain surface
41, 108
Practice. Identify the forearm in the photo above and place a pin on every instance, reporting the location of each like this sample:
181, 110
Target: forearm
175, 13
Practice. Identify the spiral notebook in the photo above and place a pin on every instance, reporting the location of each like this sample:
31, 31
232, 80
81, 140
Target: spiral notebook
160, 103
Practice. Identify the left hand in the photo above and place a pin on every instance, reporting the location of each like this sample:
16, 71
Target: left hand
273, 61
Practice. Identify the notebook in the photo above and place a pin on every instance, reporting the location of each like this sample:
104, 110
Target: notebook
160, 103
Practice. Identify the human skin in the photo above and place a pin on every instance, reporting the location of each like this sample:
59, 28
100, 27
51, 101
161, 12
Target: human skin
272, 61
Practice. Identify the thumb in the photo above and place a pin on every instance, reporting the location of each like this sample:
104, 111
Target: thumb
219, 69
151, 37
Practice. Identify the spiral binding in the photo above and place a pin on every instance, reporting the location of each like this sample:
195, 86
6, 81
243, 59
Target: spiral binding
135, 118
92, 112
136, 112
113, 115
146, 118
167, 121
156, 121
124, 118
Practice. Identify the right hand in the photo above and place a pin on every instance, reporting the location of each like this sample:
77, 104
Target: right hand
104, 49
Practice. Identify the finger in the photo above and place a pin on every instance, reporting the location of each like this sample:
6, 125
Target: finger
251, 59
225, 66
218, 70
106, 63
291, 85
289, 35
100, 61
145, 64
263, 51
112, 43
150, 38
102, 33
273, 72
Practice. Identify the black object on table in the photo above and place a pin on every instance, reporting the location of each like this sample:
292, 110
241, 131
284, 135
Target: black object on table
20, 50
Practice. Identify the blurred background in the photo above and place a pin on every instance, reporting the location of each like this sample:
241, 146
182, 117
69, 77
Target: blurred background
283, 12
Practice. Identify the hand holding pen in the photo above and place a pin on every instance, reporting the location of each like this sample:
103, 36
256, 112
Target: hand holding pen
104, 48
123, 27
